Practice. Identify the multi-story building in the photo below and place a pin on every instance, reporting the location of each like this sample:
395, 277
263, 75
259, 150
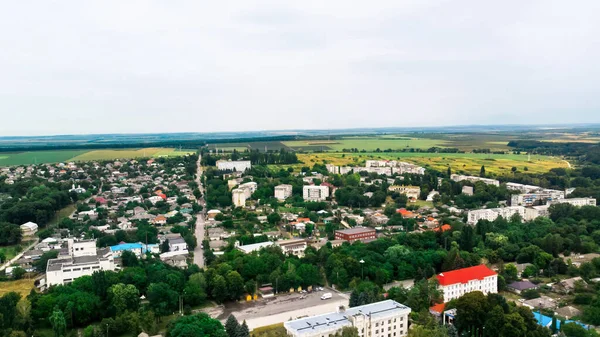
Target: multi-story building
541, 197
80, 258
364, 234
458, 282
412, 192
332, 168
381, 319
315, 193
578, 202
460, 177
238, 166
238, 197
293, 247
283, 192
29, 228
492, 213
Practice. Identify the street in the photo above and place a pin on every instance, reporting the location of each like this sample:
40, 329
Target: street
279, 309
199, 232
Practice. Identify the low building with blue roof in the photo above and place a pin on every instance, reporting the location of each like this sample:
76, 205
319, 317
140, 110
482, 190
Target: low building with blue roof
138, 249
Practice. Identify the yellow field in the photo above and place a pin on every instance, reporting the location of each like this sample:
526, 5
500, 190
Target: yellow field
22, 287
114, 154
465, 162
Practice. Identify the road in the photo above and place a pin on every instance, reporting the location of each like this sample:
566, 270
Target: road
279, 309
200, 230
18, 256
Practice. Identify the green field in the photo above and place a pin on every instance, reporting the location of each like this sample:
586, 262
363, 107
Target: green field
365, 143
459, 162
42, 157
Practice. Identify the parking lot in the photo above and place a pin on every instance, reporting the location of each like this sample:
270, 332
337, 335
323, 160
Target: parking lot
280, 308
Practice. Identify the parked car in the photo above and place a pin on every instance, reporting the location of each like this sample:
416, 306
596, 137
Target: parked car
326, 296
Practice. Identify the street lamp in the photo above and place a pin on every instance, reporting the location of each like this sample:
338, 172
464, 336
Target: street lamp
362, 268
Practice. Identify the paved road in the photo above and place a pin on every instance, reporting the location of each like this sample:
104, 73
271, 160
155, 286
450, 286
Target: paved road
11, 261
200, 230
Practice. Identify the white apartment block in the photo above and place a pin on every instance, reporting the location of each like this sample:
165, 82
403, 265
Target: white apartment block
542, 196
492, 213
283, 192
237, 166
578, 202
381, 319
412, 192
251, 186
332, 168
238, 197
81, 258
315, 193
459, 177
458, 282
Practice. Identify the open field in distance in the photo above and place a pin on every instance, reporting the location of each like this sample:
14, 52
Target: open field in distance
42, 157
22, 287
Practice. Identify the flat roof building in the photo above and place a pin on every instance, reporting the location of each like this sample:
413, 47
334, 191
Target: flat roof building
364, 234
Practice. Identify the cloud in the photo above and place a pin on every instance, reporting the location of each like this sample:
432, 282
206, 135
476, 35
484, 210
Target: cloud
155, 66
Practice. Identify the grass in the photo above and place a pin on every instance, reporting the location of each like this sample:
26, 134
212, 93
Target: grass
459, 162
38, 157
22, 287
62, 213
12, 251
270, 330
112, 154
366, 143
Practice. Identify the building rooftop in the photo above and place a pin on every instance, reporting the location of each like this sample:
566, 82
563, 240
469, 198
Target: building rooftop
464, 275
255, 246
356, 230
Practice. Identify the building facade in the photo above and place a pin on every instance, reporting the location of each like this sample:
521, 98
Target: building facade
315, 193
460, 177
293, 247
283, 192
238, 197
412, 192
492, 214
578, 202
458, 282
381, 319
237, 166
364, 234
29, 228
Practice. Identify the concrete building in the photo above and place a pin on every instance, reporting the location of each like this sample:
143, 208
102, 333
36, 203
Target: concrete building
315, 193
29, 228
412, 192
255, 247
458, 282
492, 213
541, 197
79, 259
138, 249
238, 166
467, 190
364, 234
283, 192
293, 247
381, 319
578, 202
460, 177
238, 197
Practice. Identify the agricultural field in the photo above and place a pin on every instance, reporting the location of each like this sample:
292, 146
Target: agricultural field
22, 287
459, 162
43, 157
261, 146
368, 143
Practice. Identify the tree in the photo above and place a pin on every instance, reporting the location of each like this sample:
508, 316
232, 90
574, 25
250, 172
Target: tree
219, 289
18, 273
573, 330
274, 218
482, 171
349, 331
8, 304
125, 297
243, 330
235, 285
10, 234
231, 326
163, 300
197, 325
129, 259
471, 311
58, 322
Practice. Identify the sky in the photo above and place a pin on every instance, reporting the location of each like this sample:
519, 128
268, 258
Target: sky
79, 67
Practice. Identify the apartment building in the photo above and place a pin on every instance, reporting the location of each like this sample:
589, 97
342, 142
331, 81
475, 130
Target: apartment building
237, 166
80, 258
492, 213
473, 179
315, 193
458, 282
412, 192
283, 192
578, 202
540, 197
238, 197
293, 247
381, 319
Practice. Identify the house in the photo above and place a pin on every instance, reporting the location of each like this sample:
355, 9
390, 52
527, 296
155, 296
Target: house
92, 214
406, 214
412, 192
458, 282
568, 285
521, 268
293, 247
543, 302
29, 228
442, 228
379, 319
177, 245
315, 193
154, 199
160, 220
519, 286
213, 213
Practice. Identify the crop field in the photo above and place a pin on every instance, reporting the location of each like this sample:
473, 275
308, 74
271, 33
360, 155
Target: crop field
367, 143
261, 146
22, 287
459, 162
43, 157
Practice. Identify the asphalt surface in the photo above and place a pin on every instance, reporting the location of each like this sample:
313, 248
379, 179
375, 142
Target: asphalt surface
200, 227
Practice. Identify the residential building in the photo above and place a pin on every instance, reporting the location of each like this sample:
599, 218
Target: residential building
578, 202
467, 190
364, 234
177, 244
491, 214
238, 166
381, 319
283, 192
458, 282
412, 192
293, 247
315, 193
255, 247
539, 198
519, 286
81, 258
473, 179
77, 189
251, 186
29, 228
138, 249
238, 196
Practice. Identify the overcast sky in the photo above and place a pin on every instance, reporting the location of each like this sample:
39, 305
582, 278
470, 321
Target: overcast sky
200, 66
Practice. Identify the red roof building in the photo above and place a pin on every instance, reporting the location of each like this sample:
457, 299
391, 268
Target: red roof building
442, 228
458, 282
